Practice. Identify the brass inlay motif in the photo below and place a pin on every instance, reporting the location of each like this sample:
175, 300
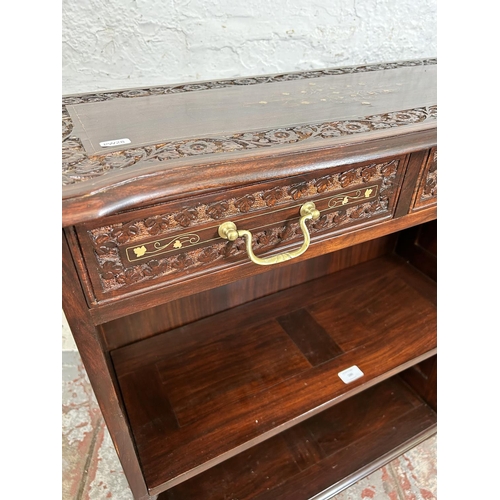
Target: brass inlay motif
168, 245
353, 196
230, 232
140, 251
161, 246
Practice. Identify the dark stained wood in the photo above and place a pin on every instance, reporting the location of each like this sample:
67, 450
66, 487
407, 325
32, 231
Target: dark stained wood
246, 475
427, 237
423, 379
99, 370
381, 105
309, 336
155, 414
217, 377
359, 195
313, 455
220, 365
426, 192
359, 317
163, 118
413, 173
304, 448
153, 297
359, 459
418, 246
351, 278
238, 399
201, 175
179, 312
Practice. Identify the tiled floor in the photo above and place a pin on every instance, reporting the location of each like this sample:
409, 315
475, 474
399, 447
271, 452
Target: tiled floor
91, 470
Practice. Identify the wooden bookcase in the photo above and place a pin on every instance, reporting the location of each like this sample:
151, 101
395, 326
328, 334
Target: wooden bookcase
292, 352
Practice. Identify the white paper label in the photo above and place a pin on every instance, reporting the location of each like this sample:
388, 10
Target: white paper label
116, 142
350, 374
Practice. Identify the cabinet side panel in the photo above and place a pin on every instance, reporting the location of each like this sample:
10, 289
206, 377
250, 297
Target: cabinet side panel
422, 378
99, 370
418, 245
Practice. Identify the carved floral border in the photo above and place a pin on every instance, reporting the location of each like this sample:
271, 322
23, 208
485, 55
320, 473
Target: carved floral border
78, 166
113, 275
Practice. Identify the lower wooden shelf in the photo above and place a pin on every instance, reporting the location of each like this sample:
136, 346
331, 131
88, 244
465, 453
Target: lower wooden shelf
201, 394
318, 458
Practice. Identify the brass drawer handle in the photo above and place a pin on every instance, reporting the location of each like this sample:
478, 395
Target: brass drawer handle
229, 231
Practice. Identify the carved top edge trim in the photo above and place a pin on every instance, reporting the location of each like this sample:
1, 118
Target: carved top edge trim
78, 166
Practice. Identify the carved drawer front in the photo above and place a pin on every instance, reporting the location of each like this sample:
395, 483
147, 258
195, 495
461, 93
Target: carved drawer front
426, 191
167, 242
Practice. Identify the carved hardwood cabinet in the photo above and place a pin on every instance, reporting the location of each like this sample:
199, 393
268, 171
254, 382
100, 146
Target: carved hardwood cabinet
249, 273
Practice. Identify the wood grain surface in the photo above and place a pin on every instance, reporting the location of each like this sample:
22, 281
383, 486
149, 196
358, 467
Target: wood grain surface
219, 378
176, 138
249, 108
320, 452
237, 378
176, 313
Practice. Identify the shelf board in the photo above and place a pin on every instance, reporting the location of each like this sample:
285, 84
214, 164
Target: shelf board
203, 393
322, 456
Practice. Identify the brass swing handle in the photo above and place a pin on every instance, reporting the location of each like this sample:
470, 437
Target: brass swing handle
229, 231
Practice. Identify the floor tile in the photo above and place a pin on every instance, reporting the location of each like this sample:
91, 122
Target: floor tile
81, 418
380, 485
105, 478
416, 472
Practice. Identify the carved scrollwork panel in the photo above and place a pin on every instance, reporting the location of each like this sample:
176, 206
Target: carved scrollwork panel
78, 166
128, 257
255, 201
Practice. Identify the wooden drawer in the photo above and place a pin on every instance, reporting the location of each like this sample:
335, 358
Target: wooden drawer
426, 191
135, 251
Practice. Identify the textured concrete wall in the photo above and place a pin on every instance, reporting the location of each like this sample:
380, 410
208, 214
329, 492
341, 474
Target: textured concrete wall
110, 44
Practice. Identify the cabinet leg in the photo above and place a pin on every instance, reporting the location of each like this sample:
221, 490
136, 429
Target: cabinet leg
97, 365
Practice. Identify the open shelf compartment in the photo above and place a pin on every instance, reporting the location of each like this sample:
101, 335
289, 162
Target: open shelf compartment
323, 455
208, 391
